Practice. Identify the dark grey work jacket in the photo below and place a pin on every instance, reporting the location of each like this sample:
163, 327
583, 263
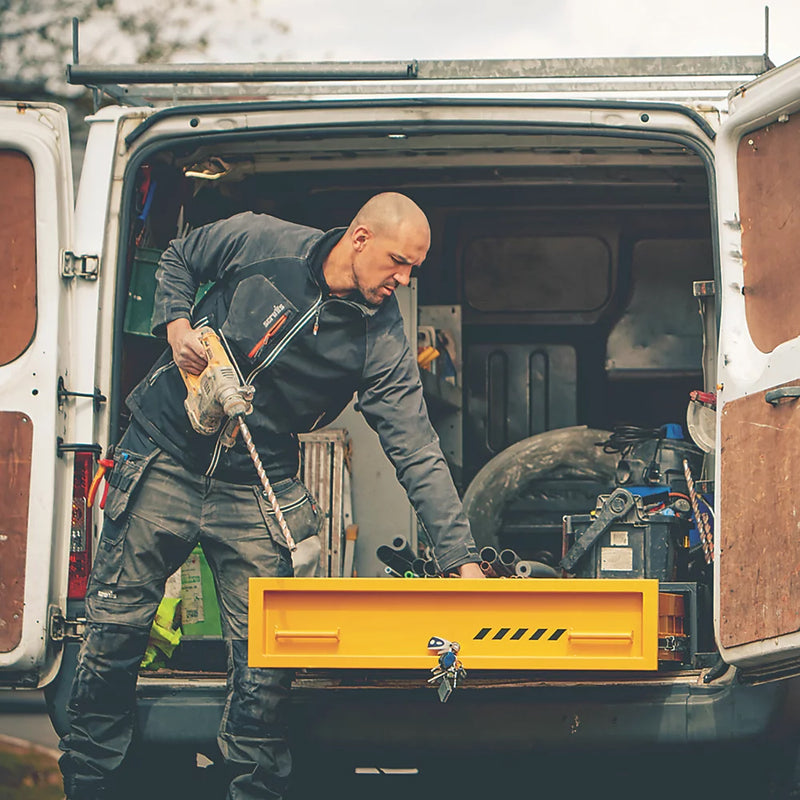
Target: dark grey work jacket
267, 276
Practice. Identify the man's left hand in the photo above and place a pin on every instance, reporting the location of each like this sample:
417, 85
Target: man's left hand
470, 570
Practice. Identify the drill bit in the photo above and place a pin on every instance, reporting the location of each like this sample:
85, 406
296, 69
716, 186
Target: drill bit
273, 501
701, 520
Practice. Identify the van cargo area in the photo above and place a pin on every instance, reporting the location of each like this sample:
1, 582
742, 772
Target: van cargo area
563, 289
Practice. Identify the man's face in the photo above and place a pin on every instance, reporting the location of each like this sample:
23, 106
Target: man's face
382, 262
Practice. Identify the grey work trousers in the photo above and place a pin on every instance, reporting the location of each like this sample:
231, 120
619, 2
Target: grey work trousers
156, 513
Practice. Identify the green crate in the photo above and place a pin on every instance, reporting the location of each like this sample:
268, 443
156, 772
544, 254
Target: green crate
141, 291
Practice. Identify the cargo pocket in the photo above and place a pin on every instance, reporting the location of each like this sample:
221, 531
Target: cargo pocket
299, 509
123, 481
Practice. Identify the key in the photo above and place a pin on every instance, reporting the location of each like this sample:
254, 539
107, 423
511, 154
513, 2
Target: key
445, 688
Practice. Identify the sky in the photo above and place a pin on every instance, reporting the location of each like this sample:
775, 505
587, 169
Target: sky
450, 29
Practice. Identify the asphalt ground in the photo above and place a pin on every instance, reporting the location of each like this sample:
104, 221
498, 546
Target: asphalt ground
29, 771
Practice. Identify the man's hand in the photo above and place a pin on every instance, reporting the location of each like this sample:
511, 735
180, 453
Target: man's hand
470, 570
187, 351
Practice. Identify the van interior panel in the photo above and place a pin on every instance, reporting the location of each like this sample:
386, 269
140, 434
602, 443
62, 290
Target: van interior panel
769, 175
16, 449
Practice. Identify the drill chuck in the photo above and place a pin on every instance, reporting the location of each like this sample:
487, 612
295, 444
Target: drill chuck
230, 395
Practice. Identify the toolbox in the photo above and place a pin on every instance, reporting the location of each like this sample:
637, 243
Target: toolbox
575, 624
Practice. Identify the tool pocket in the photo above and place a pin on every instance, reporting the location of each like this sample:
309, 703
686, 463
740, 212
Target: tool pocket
258, 317
299, 508
123, 481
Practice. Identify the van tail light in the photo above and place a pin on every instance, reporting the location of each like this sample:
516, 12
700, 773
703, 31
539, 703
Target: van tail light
80, 543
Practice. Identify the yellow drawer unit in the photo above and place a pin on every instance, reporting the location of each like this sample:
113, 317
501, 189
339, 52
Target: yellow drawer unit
575, 624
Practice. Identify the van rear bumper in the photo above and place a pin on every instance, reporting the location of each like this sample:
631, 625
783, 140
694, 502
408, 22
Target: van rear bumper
377, 714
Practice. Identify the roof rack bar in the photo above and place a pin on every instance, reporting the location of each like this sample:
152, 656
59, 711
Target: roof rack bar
85, 75
425, 70
627, 67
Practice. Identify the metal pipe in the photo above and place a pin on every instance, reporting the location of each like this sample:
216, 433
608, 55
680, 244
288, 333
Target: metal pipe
488, 554
486, 567
418, 566
400, 545
393, 573
492, 558
508, 558
534, 569
239, 73
75, 53
430, 569
558, 68
393, 559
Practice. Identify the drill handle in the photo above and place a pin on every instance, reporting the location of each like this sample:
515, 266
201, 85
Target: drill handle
202, 405
207, 334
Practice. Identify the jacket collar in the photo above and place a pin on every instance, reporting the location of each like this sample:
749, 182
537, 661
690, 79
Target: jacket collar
317, 254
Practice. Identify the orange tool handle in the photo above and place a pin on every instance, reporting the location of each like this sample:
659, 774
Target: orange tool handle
105, 464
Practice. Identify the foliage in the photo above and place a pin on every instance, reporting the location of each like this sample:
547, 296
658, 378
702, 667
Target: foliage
36, 35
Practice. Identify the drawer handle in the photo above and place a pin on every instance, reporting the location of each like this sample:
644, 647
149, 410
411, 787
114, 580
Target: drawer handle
307, 634
774, 396
600, 637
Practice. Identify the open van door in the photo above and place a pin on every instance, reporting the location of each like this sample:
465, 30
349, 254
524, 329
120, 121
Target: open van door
757, 589
35, 231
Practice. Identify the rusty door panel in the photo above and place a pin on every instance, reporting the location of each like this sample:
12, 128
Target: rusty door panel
18, 243
16, 445
759, 556
769, 202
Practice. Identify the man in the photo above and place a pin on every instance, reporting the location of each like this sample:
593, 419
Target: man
308, 318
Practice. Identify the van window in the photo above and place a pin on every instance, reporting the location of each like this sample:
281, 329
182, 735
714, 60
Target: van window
18, 245
537, 273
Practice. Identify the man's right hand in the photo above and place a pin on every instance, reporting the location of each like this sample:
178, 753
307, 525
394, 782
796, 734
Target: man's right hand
187, 351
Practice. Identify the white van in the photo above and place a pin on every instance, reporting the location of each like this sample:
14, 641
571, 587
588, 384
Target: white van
582, 214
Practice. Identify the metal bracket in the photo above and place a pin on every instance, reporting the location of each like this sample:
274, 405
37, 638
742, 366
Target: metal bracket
63, 393
60, 629
63, 447
80, 266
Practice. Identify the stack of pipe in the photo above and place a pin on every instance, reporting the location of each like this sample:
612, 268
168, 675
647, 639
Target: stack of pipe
507, 564
401, 562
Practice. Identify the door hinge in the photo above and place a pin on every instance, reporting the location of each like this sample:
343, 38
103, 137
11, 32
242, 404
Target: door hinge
61, 629
83, 266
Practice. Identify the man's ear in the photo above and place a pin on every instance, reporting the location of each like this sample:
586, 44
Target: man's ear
361, 235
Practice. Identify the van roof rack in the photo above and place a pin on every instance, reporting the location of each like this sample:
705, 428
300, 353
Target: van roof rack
160, 84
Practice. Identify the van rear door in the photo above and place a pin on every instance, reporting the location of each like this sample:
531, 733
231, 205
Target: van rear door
757, 605
36, 215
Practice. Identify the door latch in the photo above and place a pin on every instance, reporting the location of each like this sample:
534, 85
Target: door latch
61, 629
80, 266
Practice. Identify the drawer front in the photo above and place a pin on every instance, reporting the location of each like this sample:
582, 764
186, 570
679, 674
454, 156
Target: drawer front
574, 624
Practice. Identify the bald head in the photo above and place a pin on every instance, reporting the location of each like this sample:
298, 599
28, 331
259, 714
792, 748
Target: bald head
388, 237
391, 213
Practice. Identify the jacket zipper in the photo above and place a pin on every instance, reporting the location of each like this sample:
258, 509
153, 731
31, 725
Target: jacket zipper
160, 371
310, 312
